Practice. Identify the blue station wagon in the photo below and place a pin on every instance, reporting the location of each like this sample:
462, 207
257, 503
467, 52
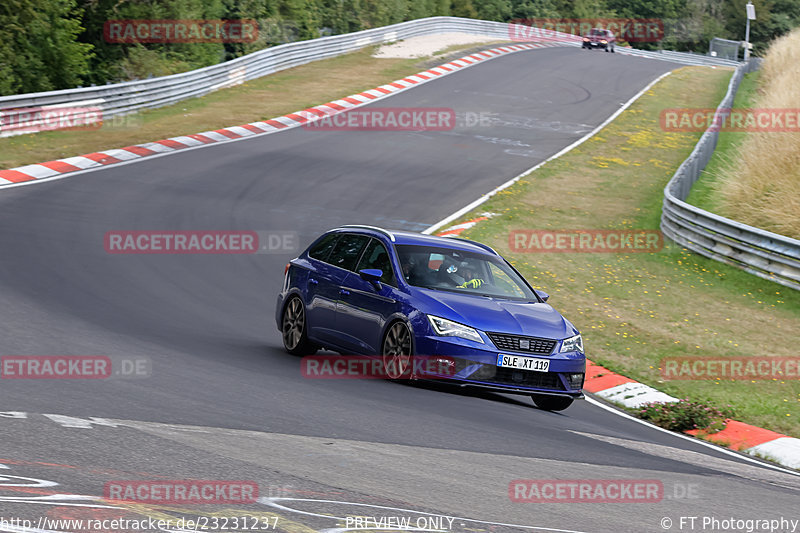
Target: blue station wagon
394, 294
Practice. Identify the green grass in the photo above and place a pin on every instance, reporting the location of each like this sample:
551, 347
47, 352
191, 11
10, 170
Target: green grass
261, 99
704, 192
635, 309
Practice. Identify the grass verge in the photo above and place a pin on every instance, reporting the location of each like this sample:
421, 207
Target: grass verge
261, 99
636, 309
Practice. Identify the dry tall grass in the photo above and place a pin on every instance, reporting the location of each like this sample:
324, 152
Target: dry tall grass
761, 186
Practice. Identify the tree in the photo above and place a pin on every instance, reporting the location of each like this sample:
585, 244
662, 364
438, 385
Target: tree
39, 50
525, 9
499, 10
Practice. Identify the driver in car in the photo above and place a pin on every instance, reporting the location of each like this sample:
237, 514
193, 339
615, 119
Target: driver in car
470, 281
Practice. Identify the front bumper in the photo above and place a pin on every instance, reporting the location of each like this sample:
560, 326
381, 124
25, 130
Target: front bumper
475, 365
595, 45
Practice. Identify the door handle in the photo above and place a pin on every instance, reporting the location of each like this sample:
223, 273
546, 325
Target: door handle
312, 281
344, 292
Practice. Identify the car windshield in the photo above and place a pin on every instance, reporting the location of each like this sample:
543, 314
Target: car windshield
599, 33
446, 269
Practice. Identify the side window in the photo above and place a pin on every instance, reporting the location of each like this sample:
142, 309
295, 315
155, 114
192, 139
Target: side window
376, 256
322, 248
347, 251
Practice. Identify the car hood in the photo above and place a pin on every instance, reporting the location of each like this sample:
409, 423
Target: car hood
497, 315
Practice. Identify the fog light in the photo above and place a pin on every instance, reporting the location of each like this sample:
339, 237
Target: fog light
437, 365
575, 380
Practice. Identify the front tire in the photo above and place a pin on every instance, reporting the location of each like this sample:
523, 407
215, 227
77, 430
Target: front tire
551, 403
396, 351
294, 329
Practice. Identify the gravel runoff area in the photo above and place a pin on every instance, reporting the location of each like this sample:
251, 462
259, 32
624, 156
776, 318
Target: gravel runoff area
428, 45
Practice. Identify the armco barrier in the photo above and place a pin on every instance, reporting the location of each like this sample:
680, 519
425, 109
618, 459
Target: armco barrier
129, 97
765, 254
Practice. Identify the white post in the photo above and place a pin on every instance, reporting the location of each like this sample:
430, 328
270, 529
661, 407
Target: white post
751, 15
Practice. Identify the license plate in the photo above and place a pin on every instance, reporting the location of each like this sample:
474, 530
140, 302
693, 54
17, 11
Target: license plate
523, 363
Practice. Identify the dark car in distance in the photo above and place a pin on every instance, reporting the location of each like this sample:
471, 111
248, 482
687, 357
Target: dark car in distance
600, 38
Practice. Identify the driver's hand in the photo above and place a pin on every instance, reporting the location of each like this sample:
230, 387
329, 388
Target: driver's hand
474, 283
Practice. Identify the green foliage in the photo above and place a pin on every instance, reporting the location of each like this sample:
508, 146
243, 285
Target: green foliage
499, 10
39, 49
54, 44
463, 8
116, 62
685, 415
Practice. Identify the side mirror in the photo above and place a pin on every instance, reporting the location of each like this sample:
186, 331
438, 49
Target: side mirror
372, 275
541, 294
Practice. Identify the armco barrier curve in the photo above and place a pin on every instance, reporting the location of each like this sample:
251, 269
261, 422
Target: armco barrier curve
765, 254
129, 97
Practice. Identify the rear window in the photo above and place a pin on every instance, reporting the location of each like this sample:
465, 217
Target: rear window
323, 247
347, 250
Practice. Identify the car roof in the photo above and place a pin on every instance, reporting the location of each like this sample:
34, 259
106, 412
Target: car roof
421, 239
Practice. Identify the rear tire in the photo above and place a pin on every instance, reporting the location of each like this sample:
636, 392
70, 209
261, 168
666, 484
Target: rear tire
294, 329
551, 403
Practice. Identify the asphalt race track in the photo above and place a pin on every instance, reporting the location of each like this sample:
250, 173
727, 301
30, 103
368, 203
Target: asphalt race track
224, 401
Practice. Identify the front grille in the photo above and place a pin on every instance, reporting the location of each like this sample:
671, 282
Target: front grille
527, 378
519, 343
520, 378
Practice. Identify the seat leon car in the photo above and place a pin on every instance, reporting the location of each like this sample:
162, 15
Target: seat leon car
360, 290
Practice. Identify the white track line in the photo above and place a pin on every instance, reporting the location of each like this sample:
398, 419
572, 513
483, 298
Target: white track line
701, 442
482, 199
272, 502
510, 182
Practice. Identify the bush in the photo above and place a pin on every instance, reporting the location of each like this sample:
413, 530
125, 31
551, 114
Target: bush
685, 415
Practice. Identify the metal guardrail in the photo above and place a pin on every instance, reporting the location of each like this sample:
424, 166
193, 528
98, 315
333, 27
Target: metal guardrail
686, 58
129, 97
765, 254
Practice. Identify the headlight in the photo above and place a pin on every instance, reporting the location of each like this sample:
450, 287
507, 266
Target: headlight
604, 41
572, 344
586, 39
448, 328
